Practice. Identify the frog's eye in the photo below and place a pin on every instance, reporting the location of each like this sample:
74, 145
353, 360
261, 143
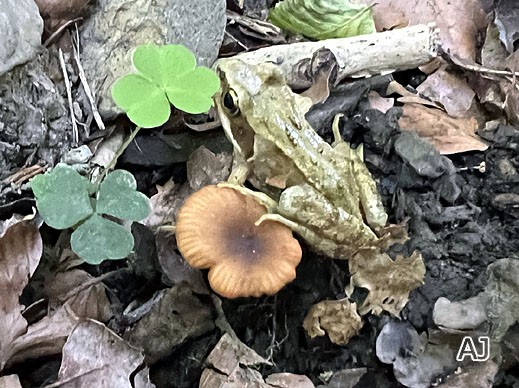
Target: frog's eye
230, 102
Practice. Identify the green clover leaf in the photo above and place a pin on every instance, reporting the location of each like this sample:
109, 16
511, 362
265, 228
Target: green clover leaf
118, 197
99, 239
166, 74
323, 19
145, 103
62, 197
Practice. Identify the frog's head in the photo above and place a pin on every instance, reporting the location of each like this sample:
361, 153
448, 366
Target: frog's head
243, 84
246, 99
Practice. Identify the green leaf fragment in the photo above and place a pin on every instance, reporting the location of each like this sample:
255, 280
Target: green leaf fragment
62, 197
118, 197
323, 19
99, 239
162, 64
144, 103
192, 92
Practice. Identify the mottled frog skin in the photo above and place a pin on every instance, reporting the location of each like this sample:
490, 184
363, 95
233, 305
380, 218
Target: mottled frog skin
323, 192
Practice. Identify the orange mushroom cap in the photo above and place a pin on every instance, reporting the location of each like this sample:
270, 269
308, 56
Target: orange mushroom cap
215, 229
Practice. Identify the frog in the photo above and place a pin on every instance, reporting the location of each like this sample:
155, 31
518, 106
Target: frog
324, 192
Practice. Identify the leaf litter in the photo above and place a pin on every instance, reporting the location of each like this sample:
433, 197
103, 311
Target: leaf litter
446, 200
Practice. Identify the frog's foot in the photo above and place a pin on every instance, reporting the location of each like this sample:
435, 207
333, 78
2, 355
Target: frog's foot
262, 198
240, 171
279, 218
318, 243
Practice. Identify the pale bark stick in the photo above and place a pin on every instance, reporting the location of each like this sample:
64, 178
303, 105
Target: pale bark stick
359, 56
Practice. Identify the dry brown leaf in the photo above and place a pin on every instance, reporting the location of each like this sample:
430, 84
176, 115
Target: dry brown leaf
165, 204
20, 253
94, 356
376, 101
57, 12
231, 364
407, 96
229, 360
389, 281
450, 90
449, 135
203, 168
337, 318
45, 337
289, 380
68, 288
11, 381
478, 374
174, 268
458, 21
175, 316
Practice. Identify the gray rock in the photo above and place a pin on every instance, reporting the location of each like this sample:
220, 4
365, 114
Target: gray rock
117, 26
421, 155
465, 314
34, 121
21, 27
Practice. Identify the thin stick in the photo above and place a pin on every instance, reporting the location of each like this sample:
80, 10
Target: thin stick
58, 31
120, 151
86, 86
75, 134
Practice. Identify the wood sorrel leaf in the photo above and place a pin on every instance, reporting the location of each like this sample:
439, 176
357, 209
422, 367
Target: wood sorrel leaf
118, 197
99, 239
62, 197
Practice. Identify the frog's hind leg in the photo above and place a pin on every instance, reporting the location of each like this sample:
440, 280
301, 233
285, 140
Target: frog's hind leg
371, 202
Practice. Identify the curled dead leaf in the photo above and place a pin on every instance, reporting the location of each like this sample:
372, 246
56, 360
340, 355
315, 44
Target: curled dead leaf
20, 252
449, 135
337, 318
389, 281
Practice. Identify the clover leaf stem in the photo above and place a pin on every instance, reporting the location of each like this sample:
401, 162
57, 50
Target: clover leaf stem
118, 154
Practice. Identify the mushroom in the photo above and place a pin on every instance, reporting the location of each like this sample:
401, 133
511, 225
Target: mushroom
216, 229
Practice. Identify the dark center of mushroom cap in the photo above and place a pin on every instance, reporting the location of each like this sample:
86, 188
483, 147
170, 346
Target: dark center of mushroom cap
244, 244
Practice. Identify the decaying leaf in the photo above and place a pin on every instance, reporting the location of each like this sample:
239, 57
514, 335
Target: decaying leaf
10, 381
450, 90
478, 374
71, 289
165, 204
174, 268
288, 380
203, 168
389, 281
345, 378
380, 103
20, 252
175, 316
337, 318
231, 364
45, 337
230, 360
449, 135
458, 21
94, 356
55, 13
